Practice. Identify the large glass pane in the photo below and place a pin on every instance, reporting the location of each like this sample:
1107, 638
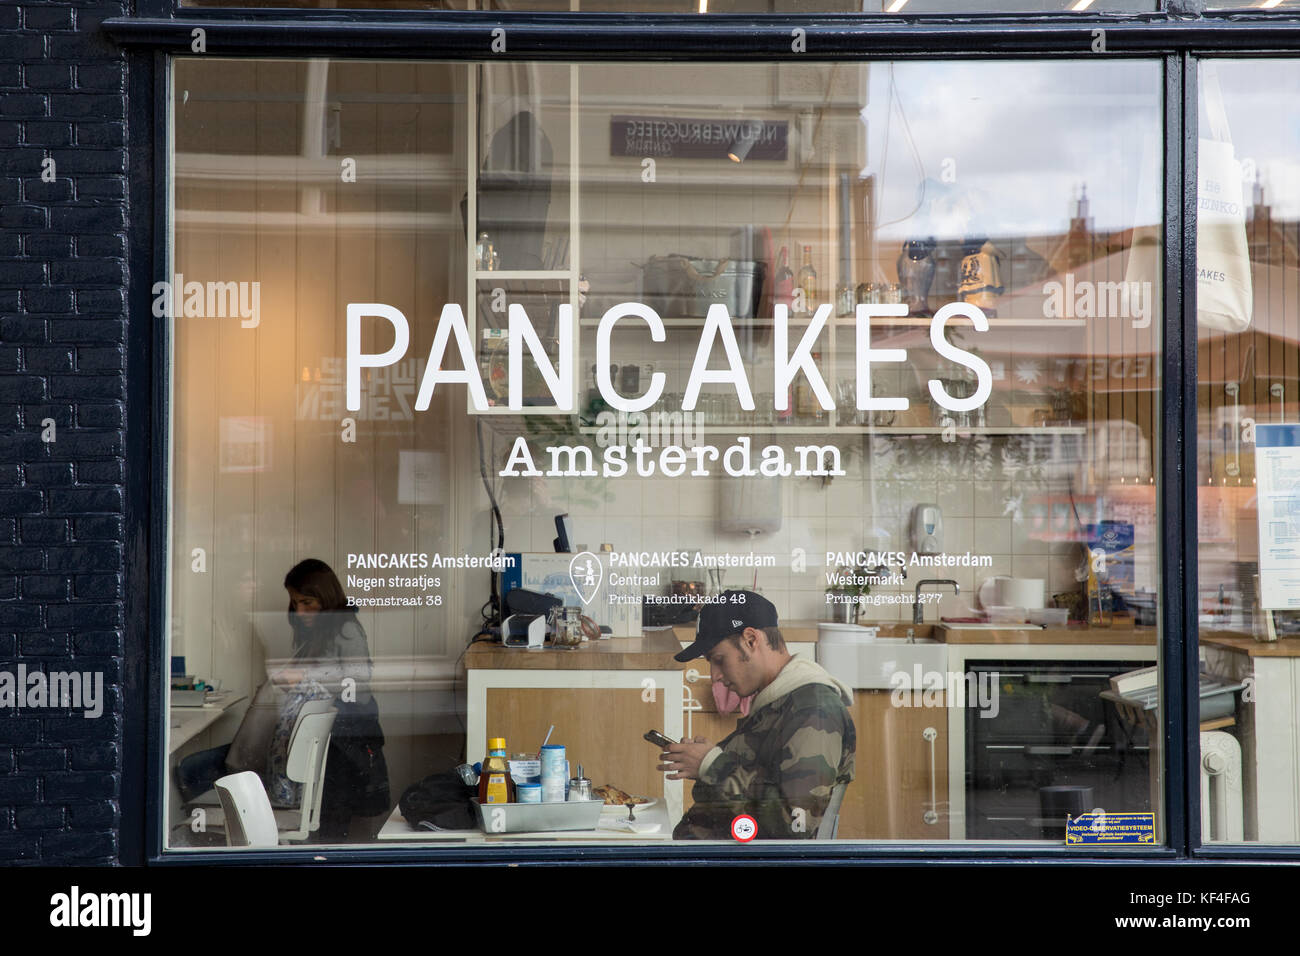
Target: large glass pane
849, 371
787, 7
1246, 326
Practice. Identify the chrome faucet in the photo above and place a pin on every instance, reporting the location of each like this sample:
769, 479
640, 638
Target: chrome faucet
883, 570
917, 614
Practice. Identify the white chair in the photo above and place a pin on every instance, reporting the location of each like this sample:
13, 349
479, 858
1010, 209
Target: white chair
246, 809
305, 764
830, 824
308, 748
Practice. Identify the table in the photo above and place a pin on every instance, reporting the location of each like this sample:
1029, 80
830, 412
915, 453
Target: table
186, 723
601, 697
396, 828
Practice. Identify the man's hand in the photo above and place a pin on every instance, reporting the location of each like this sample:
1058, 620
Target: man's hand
684, 759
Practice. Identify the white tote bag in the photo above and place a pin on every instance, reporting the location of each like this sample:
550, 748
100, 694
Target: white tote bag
1224, 297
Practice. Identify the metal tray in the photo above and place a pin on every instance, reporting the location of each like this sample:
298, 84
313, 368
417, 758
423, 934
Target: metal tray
538, 817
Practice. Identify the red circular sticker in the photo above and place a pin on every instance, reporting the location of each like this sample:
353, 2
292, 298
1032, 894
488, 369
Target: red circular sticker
744, 828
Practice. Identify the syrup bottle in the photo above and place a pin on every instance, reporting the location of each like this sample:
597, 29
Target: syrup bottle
495, 785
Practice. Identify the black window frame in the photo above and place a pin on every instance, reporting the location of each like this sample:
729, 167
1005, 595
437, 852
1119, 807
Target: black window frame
1178, 36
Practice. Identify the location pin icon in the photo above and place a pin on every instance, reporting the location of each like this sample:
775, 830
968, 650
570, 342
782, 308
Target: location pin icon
586, 573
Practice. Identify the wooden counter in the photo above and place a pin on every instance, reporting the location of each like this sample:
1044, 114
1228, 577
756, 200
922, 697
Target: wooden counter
1284, 647
1124, 632
794, 632
653, 650
1080, 635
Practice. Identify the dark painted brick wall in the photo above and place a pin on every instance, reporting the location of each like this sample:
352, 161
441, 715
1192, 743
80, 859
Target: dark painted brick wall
62, 358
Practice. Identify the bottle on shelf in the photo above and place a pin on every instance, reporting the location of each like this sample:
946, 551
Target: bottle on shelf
806, 406
808, 282
495, 785
783, 284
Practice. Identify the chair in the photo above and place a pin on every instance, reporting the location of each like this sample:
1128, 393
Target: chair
830, 824
248, 817
308, 748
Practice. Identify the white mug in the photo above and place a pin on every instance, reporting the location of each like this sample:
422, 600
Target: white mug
1003, 591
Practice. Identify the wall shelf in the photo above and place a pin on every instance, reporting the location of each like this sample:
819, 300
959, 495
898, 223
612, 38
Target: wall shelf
557, 274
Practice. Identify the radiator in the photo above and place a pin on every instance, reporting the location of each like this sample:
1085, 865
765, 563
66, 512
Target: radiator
1221, 805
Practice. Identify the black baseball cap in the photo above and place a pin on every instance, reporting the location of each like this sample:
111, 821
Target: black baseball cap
727, 614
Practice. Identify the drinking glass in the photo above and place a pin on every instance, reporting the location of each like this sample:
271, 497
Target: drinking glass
846, 401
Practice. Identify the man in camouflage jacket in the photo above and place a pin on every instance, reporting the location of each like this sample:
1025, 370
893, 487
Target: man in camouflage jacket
796, 743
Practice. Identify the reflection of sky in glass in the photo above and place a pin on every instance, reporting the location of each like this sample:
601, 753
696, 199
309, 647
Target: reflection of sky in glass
1261, 98
1021, 137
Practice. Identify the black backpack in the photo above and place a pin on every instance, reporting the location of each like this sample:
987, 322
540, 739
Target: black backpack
440, 801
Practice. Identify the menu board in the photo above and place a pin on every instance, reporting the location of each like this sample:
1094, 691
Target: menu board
1277, 470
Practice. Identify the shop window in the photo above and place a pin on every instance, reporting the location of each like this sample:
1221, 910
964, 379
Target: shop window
1248, 282
874, 346
774, 7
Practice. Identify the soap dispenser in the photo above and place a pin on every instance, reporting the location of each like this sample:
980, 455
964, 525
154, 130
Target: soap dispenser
927, 529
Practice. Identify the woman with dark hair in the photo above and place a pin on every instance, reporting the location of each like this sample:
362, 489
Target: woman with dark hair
325, 629
331, 659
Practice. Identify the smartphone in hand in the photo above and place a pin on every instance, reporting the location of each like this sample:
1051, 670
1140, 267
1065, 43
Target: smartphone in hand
658, 739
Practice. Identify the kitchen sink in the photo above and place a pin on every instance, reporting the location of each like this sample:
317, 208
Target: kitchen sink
868, 663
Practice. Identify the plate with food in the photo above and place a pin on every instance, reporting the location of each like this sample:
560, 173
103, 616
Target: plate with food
616, 799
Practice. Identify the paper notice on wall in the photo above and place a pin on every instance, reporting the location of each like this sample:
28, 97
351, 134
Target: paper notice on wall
419, 477
1277, 489
245, 444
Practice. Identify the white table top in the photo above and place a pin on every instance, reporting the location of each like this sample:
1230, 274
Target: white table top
186, 723
396, 828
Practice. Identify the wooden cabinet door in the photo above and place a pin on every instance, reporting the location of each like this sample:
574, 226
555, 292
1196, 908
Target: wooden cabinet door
890, 795
600, 728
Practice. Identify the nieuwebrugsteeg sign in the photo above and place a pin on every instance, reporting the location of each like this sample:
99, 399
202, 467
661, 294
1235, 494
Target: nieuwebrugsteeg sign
695, 138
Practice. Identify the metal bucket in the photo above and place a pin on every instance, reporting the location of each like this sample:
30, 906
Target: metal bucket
684, 287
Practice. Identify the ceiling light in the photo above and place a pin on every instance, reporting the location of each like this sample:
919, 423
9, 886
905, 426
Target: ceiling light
745, 140
1081, 5
896, 6
1269, 4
